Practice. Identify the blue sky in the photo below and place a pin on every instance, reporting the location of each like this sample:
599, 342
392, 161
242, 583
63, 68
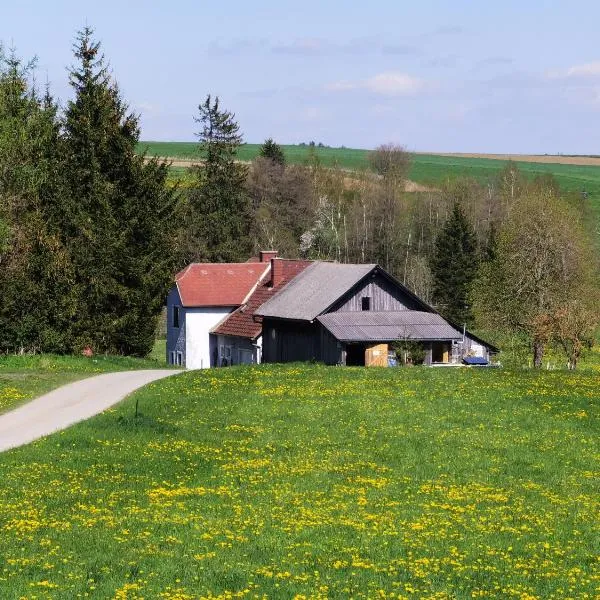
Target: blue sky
446, 76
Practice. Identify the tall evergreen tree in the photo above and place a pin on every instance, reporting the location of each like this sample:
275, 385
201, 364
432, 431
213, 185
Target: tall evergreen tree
36, 305
454, 267
273, 151
119, 219
219, 208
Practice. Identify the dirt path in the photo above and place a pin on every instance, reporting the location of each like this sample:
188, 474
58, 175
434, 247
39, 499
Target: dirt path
70, 404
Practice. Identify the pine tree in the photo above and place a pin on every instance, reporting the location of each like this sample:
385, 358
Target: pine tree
219, 211
119, 220
272, 151
454, 267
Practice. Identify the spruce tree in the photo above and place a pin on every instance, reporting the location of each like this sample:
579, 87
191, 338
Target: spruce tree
273, 151
35, 270
219, 211
454, 267
119, 221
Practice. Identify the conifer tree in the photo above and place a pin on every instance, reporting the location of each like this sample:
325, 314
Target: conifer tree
273, 151
120, 215
36, 306
219, 211
454, 267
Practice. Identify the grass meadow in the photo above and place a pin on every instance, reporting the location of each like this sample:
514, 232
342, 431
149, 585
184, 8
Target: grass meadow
304, 481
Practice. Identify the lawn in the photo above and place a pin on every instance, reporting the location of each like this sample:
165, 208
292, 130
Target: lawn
313, 482
25, 377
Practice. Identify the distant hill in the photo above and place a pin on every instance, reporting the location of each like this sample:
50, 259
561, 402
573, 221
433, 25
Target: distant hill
427, 169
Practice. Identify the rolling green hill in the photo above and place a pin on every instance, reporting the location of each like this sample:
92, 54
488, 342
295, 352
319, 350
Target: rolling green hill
429, 169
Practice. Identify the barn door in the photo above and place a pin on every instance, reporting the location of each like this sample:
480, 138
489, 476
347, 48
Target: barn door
376, 356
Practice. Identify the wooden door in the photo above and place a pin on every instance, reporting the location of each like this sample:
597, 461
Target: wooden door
376, 355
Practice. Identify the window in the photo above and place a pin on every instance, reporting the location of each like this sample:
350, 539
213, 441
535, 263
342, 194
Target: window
179, 358
366, 302
172, 358
176, 316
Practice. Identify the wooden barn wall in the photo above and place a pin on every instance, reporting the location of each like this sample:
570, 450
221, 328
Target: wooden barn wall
331, 349
384, 297
289, 341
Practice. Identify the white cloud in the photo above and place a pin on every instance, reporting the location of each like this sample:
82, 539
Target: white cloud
147, 107
591, 69
386, 84
587, 70
394, 84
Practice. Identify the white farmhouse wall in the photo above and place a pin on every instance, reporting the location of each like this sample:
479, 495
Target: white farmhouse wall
258, 351
198, 324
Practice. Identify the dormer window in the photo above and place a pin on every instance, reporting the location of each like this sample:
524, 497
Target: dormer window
366, 302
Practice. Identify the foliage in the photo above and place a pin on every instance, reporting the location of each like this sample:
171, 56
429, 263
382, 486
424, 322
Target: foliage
454, 267
118, 225
282, 199
35, 269
86, 224
542, 280
390, 161
217, 218
272, 151
409, 352
382, 483
428, 169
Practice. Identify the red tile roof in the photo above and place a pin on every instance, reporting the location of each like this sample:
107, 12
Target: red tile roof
219, 284
241, 322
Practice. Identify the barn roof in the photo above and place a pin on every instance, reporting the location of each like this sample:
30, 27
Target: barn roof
314, 290
219, 284
368, 326
241, 322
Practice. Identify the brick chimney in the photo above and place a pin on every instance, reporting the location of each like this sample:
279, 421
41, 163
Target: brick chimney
276, 271
267, 255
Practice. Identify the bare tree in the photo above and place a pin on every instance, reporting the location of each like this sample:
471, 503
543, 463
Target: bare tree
391, 161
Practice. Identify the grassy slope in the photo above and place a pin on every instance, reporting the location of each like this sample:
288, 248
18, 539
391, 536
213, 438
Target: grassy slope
25, 377
324, 482
427, 168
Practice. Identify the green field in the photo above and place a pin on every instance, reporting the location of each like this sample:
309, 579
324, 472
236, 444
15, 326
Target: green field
426, 168
25, 377
347, 158
314, 482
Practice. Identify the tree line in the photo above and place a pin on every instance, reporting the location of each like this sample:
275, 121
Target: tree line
91, 233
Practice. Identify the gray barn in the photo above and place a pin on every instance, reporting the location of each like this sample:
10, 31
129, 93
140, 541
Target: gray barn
344, 314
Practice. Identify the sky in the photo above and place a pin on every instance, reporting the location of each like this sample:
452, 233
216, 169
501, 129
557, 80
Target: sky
434, 76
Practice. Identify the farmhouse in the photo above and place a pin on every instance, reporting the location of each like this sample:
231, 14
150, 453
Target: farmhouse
210, 310
238, 337
271, 309
344, 314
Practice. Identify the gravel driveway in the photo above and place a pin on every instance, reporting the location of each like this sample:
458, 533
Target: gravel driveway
71, 403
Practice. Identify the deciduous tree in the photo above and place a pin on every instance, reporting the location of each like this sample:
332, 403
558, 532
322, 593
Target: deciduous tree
541, 277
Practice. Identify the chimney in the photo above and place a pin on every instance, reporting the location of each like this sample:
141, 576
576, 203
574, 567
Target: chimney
267, 255
276, 271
